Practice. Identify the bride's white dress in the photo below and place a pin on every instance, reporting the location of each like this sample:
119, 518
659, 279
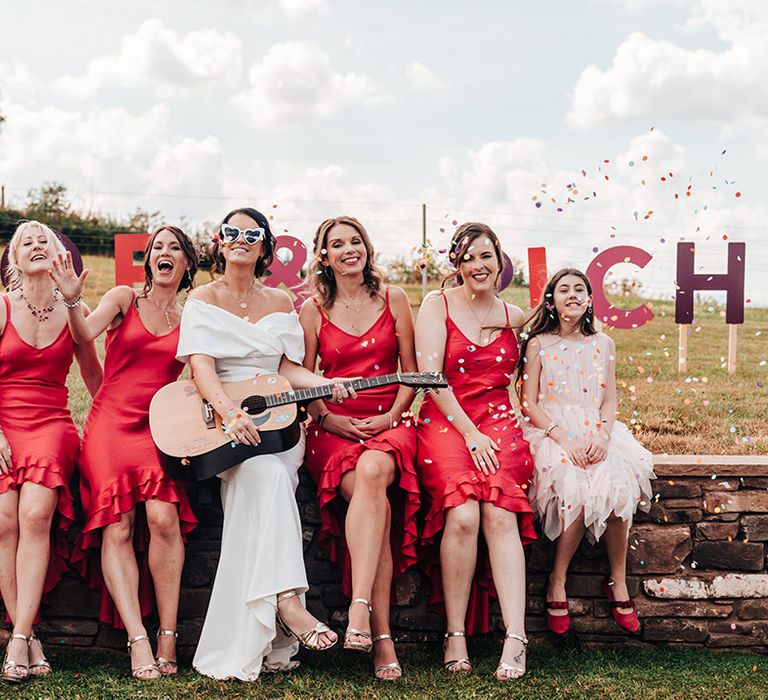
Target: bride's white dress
261, 543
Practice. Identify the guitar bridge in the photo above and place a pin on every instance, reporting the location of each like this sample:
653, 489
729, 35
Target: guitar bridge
208, 415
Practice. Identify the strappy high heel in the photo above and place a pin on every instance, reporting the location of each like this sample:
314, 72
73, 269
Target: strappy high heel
42, 667
394, 666
21, 671
146, 668
309, 639
160, 661
366, 645
452, 664
510, 672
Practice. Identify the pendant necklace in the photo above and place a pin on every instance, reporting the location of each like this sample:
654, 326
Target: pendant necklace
165, 311
242, 302
485, 317
41, 314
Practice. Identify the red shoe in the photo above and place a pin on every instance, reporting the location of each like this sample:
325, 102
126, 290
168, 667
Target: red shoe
559, 624
627, 621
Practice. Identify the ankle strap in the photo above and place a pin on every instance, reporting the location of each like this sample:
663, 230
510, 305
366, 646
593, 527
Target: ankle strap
557, 604
381, 637
172, 632
285, 595
26, 638
363, 601
509, 635
454, 634
137, 638
622, 603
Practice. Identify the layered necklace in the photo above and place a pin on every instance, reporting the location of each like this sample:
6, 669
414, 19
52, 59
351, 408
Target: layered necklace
41, 314
241, 301
165, 311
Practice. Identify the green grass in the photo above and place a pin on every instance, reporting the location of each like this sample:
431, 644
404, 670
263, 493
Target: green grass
554, 673
705, 411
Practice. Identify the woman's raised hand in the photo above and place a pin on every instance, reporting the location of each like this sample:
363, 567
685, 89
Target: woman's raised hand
483, 452
62, 273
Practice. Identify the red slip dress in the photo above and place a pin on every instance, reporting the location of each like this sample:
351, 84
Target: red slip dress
119, 465
480, 377
38, 426
329, 456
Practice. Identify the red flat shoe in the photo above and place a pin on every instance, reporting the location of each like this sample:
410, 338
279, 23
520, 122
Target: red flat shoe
559, 624
627, 621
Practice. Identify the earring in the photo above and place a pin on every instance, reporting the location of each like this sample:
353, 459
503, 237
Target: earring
589, 309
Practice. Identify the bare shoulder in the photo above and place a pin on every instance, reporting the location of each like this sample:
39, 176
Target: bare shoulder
516, 315
398, 299
121, 296
277, 300
533, 346
309, 312
207, 293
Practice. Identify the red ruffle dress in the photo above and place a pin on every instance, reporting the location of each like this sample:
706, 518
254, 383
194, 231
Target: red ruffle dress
480, 377
329, 457
38, 426
119, 464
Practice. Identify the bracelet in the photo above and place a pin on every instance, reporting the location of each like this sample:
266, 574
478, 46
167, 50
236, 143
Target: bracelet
552, 426
389, 415
72, 304
320, 418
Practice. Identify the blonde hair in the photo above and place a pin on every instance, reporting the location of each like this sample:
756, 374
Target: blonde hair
14, 274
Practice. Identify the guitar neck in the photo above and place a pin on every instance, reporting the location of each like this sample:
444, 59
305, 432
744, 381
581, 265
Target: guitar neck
326, 390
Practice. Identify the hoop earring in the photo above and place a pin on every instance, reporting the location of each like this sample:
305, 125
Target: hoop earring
589, 309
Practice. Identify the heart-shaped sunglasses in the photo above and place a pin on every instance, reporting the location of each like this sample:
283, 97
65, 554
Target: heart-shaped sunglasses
230, 234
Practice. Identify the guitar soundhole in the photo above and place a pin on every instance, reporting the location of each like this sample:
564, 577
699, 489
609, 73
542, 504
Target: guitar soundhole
255, 405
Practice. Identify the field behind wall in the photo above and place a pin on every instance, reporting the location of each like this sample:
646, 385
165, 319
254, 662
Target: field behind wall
705, 411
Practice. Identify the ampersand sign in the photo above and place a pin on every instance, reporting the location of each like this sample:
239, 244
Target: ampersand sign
290, 256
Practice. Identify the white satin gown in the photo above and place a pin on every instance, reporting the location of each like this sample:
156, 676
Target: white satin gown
261, 543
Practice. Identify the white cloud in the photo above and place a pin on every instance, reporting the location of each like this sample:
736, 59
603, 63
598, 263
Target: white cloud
653, 79
302, 8
103, 149
158, 57
296, 81
421, 78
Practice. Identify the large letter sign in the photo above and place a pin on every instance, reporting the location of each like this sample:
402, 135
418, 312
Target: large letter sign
126, 244
731, 282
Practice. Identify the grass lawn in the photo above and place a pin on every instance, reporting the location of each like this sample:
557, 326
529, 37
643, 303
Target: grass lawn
625, 673
703, 412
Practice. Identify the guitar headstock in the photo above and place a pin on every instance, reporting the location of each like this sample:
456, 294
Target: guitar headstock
424, 380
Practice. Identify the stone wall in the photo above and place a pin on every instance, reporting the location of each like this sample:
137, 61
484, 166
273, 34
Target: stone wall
697, 570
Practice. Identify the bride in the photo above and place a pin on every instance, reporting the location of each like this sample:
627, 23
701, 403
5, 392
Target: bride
232, 329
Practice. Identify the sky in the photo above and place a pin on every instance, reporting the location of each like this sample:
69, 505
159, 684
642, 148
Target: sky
646, 121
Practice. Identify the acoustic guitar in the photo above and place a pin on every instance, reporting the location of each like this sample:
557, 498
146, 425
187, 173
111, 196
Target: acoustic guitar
188, 431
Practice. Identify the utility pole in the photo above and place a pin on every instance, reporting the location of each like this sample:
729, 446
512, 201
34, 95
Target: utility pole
423, 250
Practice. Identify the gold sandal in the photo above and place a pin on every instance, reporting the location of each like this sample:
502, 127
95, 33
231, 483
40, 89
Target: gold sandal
160, 661
8, 665
512, 672
453, 663
309, 639
366, 645
43, 665
135, 671
394, 666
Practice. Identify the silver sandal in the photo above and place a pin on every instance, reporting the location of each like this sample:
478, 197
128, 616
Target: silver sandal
9, 665
135, 671
393, 666
512, 672
309, 639
160, 661
366, 645
44, 665
453, 663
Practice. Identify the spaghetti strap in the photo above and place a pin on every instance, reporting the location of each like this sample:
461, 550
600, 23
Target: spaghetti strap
320, 308
445, 301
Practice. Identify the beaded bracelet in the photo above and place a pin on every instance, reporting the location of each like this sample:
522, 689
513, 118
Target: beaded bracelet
72, 304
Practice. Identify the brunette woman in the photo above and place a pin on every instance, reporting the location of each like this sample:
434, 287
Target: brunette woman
38, 440
361, 453
136, 517
232, 329
472, 460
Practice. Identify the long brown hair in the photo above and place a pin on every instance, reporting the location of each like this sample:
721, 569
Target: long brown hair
461, 242
545, 319
322, 279
187, 247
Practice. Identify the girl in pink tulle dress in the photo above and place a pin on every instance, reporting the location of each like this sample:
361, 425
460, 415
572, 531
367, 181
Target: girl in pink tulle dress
591, 474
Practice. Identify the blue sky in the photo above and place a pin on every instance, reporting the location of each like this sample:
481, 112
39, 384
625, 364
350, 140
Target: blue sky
322, 107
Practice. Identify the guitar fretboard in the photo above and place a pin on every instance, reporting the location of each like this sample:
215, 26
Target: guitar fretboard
326, 390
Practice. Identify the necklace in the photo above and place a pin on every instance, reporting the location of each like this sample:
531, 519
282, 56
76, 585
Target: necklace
41, 314
487, 313
242, 301
164, 310
351, 307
